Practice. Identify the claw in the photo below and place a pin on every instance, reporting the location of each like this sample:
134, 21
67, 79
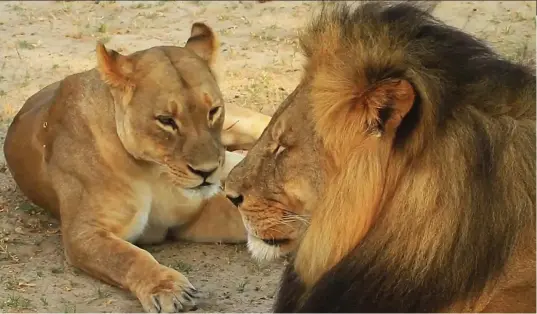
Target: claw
191, 287
185, 295
177, 305
191, 294
156, 303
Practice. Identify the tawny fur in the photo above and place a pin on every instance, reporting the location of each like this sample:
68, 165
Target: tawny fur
414, 146
92, 150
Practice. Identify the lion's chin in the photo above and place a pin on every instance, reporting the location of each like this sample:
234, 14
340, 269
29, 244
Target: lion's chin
202, 192
262, 251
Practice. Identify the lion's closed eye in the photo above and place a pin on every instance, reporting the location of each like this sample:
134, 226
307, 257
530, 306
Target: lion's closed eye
279, 149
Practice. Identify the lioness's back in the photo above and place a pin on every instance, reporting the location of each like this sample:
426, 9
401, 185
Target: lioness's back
23, 157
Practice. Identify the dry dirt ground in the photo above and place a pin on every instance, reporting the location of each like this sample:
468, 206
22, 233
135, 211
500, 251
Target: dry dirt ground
45, 41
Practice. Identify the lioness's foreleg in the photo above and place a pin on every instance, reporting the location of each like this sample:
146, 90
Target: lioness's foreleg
218, 220
97, 249
242, 127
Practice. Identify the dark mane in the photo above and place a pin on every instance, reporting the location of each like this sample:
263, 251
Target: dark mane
476, 110
401, 40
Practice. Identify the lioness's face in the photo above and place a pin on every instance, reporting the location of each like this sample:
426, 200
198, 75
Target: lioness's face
175, 118
169, 110
280, 179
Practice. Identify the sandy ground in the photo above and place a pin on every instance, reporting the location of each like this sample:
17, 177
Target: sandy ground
259, 65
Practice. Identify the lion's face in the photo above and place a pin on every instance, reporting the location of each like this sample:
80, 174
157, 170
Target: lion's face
280, 179
329, 143
170, 111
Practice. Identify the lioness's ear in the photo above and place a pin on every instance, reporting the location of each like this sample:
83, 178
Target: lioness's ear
203, 42
386, 104
115, 69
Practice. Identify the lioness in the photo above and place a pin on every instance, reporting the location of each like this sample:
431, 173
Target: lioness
400, 173
130, 151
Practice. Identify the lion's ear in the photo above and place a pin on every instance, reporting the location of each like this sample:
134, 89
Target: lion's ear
278, 128
387, 104
203, 42
115, 69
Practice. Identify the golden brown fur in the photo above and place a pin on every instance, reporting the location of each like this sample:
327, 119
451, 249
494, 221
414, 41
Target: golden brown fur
132, 151
400, 172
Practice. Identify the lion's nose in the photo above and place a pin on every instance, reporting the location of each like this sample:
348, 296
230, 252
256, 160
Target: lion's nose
236, 200
202, 173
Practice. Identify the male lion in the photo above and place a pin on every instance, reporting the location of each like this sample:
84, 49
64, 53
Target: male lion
400, 172
128, 151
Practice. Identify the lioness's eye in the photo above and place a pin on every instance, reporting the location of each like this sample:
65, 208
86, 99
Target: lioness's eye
168, 121
213, 112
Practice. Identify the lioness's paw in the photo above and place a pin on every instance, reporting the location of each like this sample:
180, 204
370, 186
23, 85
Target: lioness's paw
171, 293
180, 300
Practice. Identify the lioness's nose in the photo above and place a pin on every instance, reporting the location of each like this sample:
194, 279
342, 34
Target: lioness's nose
236, 200
202, 173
